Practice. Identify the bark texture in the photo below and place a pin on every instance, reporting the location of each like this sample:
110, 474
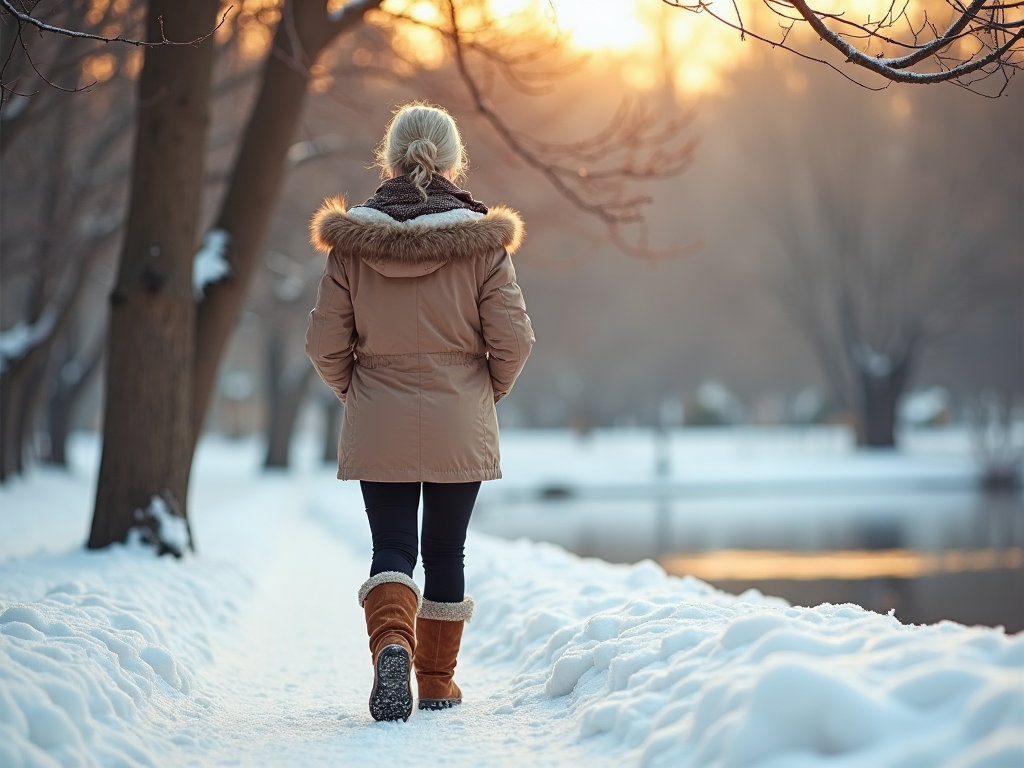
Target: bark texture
147, 448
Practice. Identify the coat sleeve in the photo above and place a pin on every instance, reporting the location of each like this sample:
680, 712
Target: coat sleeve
331, 334
506, 327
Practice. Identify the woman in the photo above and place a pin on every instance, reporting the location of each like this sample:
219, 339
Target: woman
419, 328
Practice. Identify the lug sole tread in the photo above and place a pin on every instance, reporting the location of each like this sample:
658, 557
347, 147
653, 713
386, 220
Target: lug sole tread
437, 704
391, 696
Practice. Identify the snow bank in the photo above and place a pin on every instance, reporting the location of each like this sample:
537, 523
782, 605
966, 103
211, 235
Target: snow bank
677, 673
100, 653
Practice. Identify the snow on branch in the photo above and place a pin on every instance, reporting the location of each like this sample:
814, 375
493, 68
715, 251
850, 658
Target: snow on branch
210, 264
21, 338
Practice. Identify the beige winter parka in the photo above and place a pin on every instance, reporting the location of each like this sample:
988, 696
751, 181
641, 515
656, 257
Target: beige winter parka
419, 328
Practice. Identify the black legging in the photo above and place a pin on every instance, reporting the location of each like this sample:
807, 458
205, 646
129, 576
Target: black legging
391, 510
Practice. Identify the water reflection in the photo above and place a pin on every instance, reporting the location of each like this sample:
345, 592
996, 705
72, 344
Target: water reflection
927, 555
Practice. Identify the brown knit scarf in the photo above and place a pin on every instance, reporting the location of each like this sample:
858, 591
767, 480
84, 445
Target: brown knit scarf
399, 198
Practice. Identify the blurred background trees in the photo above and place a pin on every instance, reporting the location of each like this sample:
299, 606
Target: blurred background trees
582, 120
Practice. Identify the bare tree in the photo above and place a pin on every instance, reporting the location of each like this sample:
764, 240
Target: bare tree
147, 447
873, 288
963, 43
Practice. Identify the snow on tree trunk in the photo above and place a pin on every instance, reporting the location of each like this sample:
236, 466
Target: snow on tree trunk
147, 447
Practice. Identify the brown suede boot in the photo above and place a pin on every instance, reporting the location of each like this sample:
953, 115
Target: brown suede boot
390, 600
438, 637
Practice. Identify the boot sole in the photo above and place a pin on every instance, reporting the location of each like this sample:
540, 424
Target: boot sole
435, 704
391, 697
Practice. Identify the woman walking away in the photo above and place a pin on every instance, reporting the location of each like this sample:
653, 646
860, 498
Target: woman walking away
419, 328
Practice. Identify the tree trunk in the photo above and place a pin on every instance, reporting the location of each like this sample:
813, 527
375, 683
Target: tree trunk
32, 399
65, 399
249, 203
879, 398
335, 411
12, 394
147, 445
286, 391
248, 208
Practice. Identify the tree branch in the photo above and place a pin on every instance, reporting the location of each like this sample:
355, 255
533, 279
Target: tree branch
28, 18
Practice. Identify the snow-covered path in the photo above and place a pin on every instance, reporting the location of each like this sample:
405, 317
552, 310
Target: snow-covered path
292, 678
254, 654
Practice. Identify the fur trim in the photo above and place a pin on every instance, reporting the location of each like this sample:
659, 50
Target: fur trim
363, 215
396, 577
447, 611
438, 237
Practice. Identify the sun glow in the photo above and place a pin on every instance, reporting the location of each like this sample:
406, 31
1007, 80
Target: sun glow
656, 46
649, 44
652, 45
607, 26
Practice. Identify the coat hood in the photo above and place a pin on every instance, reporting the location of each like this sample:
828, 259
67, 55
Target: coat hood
415, 247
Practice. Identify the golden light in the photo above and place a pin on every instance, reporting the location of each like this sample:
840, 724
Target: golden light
609, 26
97, 10
643, 40
133, 63
648, 44
759, 565
254, 41
99, 68
254, 21
321, 79
417, 42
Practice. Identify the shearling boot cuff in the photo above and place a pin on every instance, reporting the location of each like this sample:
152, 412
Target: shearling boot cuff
447, 611
383, 578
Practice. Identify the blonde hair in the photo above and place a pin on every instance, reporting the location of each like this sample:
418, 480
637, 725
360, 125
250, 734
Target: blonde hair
422, 139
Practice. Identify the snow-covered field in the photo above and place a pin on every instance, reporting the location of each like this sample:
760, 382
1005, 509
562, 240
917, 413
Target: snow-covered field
253, 653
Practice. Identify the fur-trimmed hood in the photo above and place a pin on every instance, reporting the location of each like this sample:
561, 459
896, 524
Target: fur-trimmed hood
415, 247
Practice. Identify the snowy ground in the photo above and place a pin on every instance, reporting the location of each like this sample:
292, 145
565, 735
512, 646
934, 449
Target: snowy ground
254, 652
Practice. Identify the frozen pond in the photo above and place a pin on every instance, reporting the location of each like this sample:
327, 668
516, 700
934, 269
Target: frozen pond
623, 530
930, 545
982, 590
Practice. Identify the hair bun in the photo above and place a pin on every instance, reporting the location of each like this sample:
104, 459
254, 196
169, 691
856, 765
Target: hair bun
422, 152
